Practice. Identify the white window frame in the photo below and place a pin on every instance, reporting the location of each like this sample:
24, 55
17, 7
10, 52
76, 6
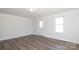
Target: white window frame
58, 30
41, 24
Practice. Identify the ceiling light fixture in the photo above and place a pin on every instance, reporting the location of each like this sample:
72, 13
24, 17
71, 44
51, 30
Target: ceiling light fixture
32, 9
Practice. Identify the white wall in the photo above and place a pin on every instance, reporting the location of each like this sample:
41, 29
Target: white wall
14, 26
71, 26
48, 27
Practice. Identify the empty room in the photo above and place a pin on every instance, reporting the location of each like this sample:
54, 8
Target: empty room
39, 28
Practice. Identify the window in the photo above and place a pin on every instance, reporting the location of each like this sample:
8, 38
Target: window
41, 24
59, 24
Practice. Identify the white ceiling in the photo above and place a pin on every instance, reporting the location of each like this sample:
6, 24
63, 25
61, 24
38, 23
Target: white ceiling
24, 12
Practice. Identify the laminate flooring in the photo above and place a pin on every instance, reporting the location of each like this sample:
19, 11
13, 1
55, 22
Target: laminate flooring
36, 42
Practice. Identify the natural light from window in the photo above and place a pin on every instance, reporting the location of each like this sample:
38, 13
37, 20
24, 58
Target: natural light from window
59, 24
41, 24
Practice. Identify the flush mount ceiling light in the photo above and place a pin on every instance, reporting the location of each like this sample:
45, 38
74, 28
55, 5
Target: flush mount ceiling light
31, 9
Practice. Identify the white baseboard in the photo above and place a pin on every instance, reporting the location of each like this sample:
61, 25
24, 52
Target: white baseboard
39, 35
61, 39
13, 37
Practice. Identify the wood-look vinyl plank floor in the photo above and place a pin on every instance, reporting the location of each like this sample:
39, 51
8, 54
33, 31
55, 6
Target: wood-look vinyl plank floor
35, 42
